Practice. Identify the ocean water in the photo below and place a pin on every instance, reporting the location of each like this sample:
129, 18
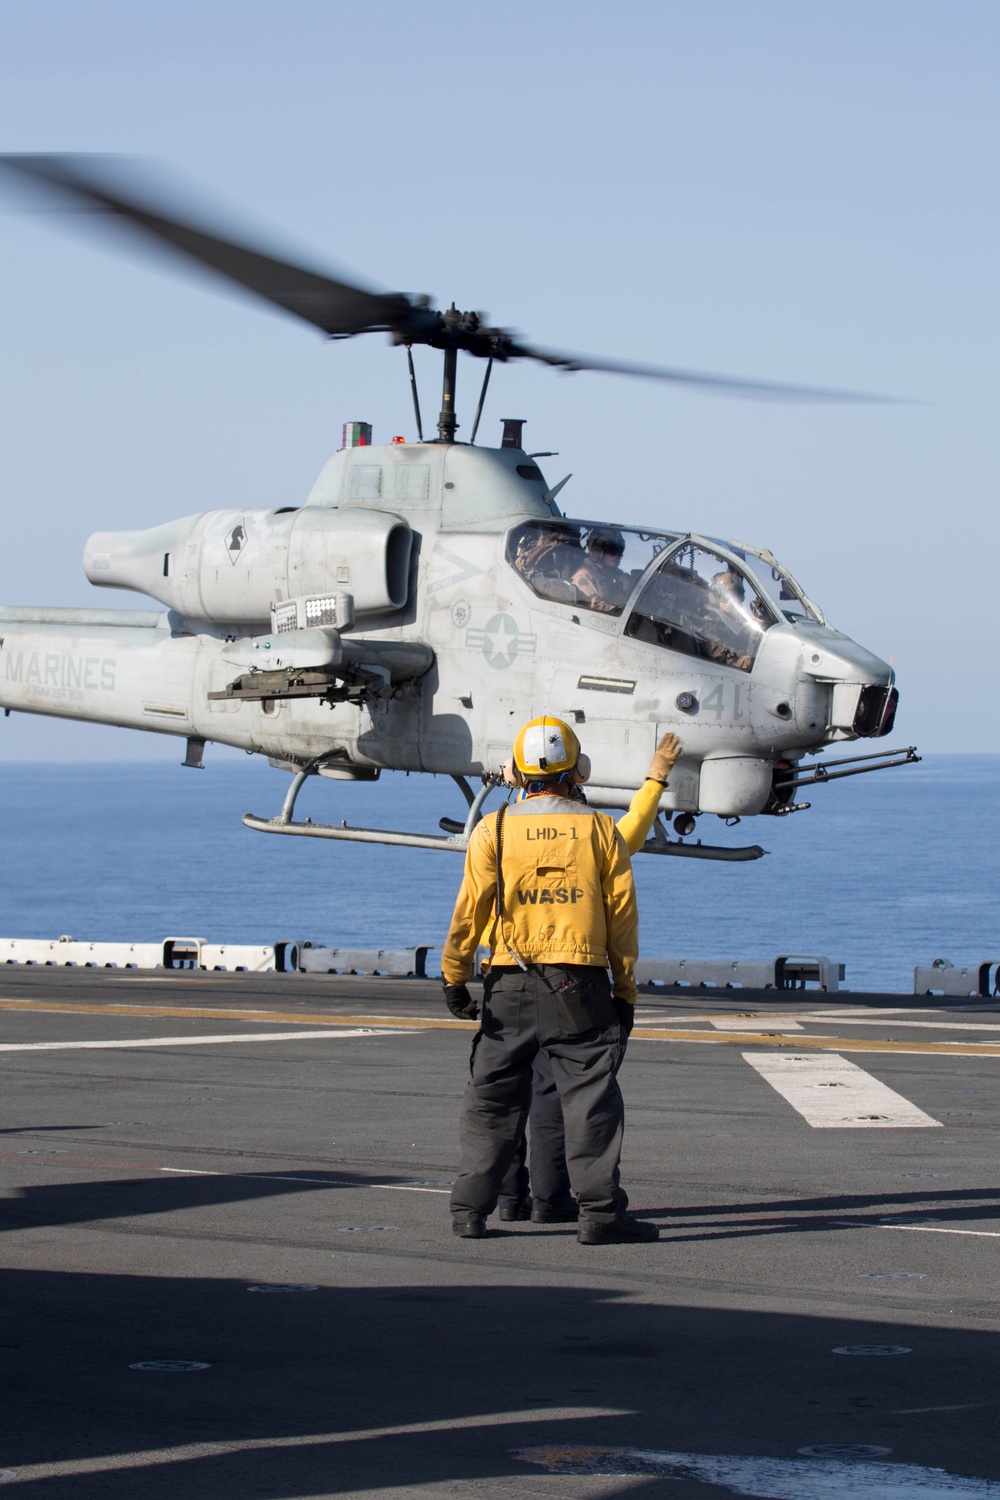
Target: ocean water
885, 871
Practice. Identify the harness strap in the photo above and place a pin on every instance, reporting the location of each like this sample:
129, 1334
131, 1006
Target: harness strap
498, 864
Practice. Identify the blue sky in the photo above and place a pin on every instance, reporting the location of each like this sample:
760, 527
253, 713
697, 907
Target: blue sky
786, 190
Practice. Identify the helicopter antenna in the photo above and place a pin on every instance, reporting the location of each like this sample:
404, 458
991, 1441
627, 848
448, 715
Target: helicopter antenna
482, 398
413, 392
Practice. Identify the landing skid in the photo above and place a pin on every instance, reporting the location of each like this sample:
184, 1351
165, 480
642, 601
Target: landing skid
738, 854
459, 839
283, 823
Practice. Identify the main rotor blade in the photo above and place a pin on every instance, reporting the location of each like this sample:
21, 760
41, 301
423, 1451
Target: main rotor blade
722, 385
337, 307
120, 192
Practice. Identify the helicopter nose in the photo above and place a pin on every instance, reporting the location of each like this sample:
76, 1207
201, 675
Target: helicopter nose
859, 688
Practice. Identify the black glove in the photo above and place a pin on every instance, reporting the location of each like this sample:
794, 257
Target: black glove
626, 1015
460, 1002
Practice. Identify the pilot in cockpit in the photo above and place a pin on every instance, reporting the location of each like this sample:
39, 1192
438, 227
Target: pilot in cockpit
546, 551
729, 629
600, 580
728, 589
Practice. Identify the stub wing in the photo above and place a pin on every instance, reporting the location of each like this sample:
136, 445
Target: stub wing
320, 663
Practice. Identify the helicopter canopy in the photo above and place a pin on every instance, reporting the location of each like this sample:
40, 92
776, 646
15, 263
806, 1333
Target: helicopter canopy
693, 599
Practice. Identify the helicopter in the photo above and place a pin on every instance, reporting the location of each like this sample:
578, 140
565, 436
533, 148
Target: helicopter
426, 597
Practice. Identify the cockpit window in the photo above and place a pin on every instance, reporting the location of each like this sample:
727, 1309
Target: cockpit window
702, 605
764, 568
591, 566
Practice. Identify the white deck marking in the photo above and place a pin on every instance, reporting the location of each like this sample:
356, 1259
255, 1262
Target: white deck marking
201, 1041
382, 1187
830, 1020
774, 1478
188, 1452
199, 976
741, 1023
404, 1187
834, 1094
985, 1234
878, 1010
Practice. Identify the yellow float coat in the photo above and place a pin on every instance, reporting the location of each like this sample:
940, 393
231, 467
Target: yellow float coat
569, 897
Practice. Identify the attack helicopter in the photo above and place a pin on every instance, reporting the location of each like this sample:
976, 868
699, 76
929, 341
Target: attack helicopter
426, 597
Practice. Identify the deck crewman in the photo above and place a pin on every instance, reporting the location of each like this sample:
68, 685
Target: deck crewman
551, 879
550, 1200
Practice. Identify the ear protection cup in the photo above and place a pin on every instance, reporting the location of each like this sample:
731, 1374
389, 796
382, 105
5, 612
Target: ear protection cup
582, 772
509, 773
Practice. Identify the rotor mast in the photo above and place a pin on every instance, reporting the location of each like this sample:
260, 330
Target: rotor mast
456, 330
447, 421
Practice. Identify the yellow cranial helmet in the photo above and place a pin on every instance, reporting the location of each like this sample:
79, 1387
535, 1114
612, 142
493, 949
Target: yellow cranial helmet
545, 747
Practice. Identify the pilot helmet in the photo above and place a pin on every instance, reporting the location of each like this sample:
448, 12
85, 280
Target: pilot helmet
546, 749
728, 582
548, 533
606, 539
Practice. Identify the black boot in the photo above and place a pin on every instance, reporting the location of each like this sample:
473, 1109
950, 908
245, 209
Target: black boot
469, 1225
513, 1210
622, 1231
554, 1213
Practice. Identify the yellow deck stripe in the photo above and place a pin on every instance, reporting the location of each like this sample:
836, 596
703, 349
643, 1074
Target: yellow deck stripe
797, 1042
212, 1013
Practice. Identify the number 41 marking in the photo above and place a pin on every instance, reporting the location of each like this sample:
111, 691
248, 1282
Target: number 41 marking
715, 702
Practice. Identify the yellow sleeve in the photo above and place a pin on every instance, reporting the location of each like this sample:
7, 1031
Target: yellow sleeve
634, 826
474, 907
622, 917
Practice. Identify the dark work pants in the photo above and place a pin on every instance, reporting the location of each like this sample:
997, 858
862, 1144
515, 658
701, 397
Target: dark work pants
548, 1184
523, 1018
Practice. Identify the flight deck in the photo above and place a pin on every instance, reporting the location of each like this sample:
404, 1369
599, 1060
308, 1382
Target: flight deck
229, 1267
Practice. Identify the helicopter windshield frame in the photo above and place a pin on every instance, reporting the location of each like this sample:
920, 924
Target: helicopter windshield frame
776, 582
